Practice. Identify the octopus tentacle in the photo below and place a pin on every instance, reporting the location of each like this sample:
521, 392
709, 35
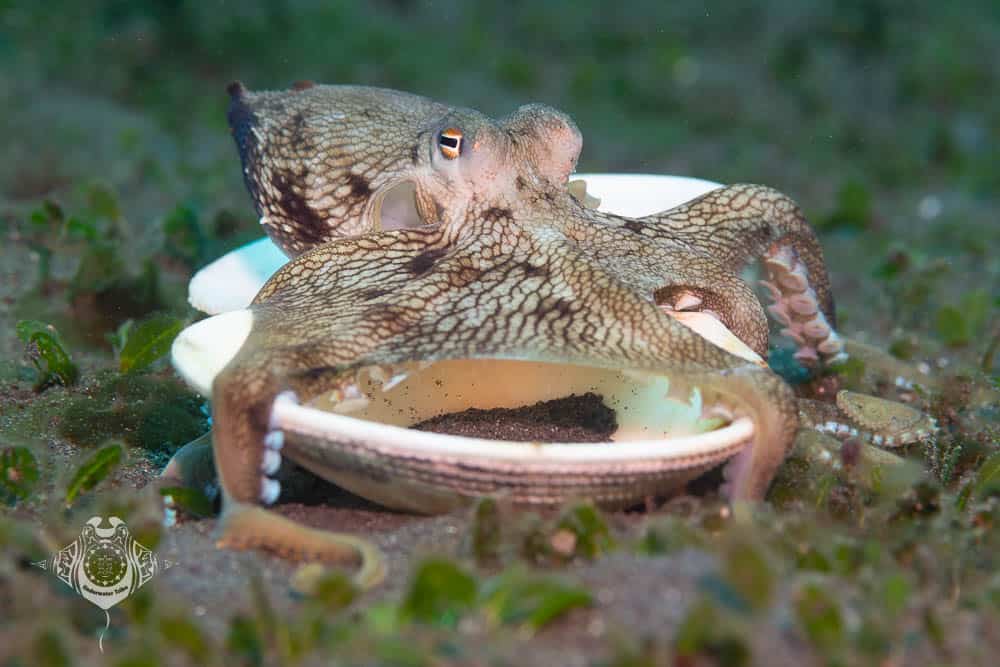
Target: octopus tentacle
246, 447
723, 295
823, 449
768, 399
741, 223
874, 420
252, 527
700, 283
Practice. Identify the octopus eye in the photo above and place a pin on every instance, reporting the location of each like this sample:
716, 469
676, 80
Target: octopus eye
450, 142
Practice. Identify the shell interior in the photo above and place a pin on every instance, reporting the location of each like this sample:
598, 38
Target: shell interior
407, 394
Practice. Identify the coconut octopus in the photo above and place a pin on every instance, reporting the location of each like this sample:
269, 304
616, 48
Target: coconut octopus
442, 260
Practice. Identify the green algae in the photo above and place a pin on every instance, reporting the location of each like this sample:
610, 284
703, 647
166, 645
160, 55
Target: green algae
50, 649
587, 525
985, 483
190, 500
819, 614
530, 602
747, 567
147, 342
243, 641
706, 633
334, 591
48, 354
667, 535
486, 532
92, 471
440, 593
156, 414
18, 474
182, 633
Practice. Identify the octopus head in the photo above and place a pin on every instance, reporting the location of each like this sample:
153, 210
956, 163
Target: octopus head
326, 163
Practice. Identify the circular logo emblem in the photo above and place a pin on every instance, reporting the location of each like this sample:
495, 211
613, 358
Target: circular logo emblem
105, 564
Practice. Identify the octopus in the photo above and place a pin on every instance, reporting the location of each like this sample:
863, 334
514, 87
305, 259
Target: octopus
441, 260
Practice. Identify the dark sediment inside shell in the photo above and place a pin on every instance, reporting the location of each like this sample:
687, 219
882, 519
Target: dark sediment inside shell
575, 418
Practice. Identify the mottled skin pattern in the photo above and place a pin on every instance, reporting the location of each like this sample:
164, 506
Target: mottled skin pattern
502, 262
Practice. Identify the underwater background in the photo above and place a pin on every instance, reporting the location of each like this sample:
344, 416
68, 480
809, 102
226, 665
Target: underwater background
119, 179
